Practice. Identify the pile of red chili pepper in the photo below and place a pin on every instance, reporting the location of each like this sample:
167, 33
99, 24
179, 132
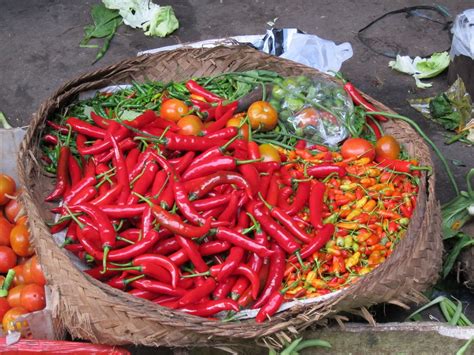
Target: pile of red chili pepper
209, 221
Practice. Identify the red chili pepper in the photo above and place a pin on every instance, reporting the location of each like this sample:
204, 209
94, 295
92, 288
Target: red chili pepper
85, 195
210, 308
224, 133
196, 89
176, 225
98, 274
222, 271
158, 287
243, 270
143, 158
184, 162
74, 170
89, 168
173, 141
210, 202
124, 145
214, 247
192, 251
246, 298
166, 246
166, 198
316, 202
223, 288
274, 230
275, 300
251, 174
85, 128
146, 295
373, 125
300, 199
146, 118
320, 240
57, 127
323, 171
359, 100
221, 121
161, 179
198, 293
273, 189
148, 263
266, 166
238, 239
214, 165
209, 182
62, 181
399, 165
199, 104
230, 210
288, 222
100, 121
184, 205
100, 219
58, 227
125, 253
108, 197
275, 276
120, 170
143, 183
84, 183
264, 184
121, 211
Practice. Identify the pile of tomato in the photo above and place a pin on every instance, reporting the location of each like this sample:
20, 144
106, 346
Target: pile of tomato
21, 281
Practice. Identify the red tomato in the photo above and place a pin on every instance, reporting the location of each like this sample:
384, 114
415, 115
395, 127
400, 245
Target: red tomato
7, 187
262, 115
32, 297
20, 240
357, 148
269, 153
387, 147
27, 274
14, 296
173, 109
19, 278
10, 317
5, 229
190, 125
36, 272
13, 209
7, 259
4, 306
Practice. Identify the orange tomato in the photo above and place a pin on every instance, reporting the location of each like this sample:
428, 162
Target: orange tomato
13, 209
19, 278
4, 306
22, 220
173, 109
27, 275
190, 125
269, 153
5, 229
10, 316
32, 297
357, 148
20, 240
237, 122
387, 147
7, 259
36, 272
7, 187
262, 115
14, 296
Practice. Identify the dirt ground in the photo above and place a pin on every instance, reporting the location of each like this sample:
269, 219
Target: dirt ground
39, 46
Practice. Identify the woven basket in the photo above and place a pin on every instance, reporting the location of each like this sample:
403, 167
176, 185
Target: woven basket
96, 312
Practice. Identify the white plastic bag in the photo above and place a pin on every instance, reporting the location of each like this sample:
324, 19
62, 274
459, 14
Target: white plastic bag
463, 35
318, 53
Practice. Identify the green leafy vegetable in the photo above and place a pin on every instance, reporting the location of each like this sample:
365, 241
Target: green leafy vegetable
443, 112
421, 68
105, 24
163, 22
154, 19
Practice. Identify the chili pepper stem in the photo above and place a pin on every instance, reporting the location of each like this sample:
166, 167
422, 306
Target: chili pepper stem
121, 265
125, 240
104, 260
67, 241
7, 282
137, 268
207, 273
241, 162
74, 218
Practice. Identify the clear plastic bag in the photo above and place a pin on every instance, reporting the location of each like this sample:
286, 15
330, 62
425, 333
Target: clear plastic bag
315, 109
463, 35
